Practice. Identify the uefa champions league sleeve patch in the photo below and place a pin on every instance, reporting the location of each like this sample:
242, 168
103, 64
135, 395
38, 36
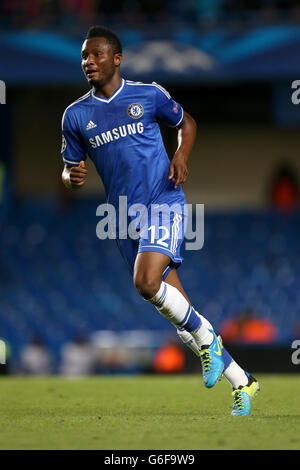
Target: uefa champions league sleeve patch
135, 110
175, 107
63, 144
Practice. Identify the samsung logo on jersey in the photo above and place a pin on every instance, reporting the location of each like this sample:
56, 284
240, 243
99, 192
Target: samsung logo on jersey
116, 133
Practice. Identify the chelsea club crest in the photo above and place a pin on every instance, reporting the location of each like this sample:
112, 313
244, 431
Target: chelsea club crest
135, 110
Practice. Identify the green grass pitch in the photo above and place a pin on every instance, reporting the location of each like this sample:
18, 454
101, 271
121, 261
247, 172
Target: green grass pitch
145, 412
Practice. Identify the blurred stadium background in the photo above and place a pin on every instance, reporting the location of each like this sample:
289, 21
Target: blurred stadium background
231, 65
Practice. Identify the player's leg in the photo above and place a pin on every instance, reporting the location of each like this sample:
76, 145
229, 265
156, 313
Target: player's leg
129, 249
244, 385
235, 375
186, 337
232, 371
173, 279
170, 302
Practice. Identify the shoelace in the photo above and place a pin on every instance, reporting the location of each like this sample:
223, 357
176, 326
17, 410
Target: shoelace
237, 397
205, 356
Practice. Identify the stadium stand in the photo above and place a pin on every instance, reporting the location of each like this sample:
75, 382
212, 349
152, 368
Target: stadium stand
57, 279
66, 15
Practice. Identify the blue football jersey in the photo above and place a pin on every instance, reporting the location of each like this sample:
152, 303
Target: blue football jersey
121, 135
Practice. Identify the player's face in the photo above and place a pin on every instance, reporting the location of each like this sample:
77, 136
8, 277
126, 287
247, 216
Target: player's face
99, 63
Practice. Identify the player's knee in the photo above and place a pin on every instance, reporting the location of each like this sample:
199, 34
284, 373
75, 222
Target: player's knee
146, 285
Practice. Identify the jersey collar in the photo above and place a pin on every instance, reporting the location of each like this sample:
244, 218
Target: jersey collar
108, 100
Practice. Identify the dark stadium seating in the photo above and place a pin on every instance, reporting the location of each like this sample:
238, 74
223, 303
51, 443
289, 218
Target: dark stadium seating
57, 279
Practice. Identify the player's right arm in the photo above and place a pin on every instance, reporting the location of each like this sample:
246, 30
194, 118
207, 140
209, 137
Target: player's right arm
73, 177
73, 151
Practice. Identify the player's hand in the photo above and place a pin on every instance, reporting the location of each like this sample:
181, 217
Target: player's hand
78, 175
178, 170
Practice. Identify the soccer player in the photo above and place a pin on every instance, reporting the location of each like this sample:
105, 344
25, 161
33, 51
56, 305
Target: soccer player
116, 125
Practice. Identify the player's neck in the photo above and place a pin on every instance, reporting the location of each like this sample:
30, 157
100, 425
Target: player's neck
108, 90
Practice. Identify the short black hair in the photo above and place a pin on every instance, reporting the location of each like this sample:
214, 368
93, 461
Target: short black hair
110, 36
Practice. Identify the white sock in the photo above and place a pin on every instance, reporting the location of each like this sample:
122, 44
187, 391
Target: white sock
203, 336
188, 338
173, 305
235, 375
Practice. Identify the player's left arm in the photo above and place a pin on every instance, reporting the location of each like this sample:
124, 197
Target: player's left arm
178, 171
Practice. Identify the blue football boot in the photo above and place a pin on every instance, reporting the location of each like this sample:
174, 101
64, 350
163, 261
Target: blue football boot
242, 397
212, 362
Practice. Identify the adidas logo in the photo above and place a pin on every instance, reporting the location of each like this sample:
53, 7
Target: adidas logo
91, 125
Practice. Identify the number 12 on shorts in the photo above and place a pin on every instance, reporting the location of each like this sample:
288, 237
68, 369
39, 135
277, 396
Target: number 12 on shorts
159, 241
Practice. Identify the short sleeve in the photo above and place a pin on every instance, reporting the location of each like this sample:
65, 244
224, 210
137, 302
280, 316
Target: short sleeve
166, 109
72, 150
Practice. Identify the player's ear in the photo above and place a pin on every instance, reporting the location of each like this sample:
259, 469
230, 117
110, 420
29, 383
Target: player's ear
118, 59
